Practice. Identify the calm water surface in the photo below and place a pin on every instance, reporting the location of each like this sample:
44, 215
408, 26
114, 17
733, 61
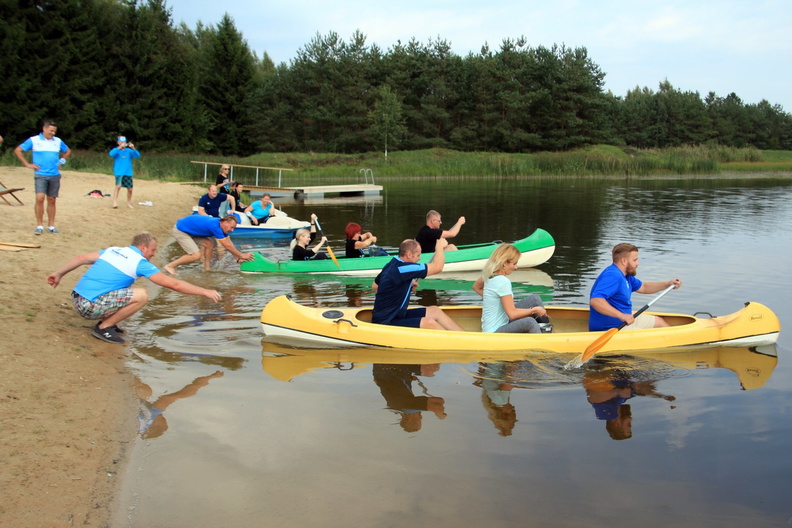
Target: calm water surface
238, 432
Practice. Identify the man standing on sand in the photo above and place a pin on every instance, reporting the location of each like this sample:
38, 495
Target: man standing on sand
196, 234
104, 291
431, 232
123, 155
47, 159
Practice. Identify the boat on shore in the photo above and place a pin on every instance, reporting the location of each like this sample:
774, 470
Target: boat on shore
753, 325
535, 249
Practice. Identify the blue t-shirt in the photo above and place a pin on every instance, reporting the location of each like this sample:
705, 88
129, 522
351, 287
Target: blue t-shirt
117, 268
201, 226
394, 288
616, 288
261, 212
122, 166
493, 316
46, 154
212, 205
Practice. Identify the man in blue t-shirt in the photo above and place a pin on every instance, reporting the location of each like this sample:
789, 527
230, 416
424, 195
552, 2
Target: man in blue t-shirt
104, 290
122, 156
209, 204
394, 284
196, 235
49, 153
610, 299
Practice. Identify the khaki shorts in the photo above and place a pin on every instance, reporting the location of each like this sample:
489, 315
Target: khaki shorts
642, 322
190, 244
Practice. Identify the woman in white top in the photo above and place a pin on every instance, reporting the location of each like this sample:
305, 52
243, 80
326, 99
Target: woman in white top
499, 312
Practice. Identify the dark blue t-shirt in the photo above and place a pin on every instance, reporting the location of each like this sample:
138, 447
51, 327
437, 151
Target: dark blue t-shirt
394, 288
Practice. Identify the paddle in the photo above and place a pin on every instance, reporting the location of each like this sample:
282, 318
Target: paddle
329, 251
594, 347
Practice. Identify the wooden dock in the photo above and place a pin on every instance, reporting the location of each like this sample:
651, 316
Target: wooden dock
354, 189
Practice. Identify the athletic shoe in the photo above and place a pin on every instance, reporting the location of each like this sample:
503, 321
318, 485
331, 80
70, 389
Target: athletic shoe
108, 334
118, 329
38, 230
53, 230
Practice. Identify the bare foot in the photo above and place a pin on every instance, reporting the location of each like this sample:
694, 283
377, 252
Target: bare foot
130, 206
115, 206
167, 267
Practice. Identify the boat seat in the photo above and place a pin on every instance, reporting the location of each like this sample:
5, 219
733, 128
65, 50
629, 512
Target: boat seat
5, 190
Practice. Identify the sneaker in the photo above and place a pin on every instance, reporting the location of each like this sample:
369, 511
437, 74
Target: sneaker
118, 329
39, 230
53, 230
108, 334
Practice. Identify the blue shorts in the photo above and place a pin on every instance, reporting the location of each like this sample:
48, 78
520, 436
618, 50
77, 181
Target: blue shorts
412, 319
104, 306
49, 185
124, 181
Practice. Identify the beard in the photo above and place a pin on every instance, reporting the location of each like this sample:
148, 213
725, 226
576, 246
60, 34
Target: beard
631, 272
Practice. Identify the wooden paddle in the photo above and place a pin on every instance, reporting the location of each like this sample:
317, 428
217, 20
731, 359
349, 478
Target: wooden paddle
329, 251
20, 244
594, 347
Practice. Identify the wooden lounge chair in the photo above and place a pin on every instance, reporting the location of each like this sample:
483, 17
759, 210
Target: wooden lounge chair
5, 190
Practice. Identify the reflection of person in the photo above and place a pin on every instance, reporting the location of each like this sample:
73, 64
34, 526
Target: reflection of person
610, 296
428, 234
151, 421
261, 210
236, 192
303, 237
357, 241
209, 204
222, 178
195, 234
395, 384
104, 291
122, 156
496, 395
499, 312
395, 283
608, 391
47, 159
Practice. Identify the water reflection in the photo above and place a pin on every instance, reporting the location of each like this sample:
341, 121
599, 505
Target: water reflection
396, 385
151, 420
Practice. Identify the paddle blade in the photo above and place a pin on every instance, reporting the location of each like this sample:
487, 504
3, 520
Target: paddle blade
332, 256
601, 341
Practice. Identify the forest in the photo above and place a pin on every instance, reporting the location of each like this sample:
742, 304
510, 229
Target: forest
107, 67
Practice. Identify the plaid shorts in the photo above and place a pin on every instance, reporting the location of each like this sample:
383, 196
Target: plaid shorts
104, 306
124, 181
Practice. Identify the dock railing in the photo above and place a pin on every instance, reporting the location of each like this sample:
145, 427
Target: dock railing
280, 170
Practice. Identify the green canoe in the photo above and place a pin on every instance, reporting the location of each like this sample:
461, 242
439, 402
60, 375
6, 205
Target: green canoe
536, 249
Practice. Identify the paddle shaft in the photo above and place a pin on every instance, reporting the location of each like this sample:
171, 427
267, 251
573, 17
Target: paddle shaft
329, 250
594, 347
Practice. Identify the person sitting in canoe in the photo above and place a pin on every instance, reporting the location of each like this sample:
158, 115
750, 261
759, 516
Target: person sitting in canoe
303, 237
357, 241
394, 284
610, 296
261, 210
499, 312
428, 234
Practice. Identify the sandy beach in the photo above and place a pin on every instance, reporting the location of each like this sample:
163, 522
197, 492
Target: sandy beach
67, 406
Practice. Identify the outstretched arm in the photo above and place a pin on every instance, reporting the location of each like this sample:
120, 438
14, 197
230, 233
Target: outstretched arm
166, 281
82, 260
654, 287
454, 231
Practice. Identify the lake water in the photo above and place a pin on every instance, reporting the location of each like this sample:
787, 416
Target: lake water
236, 433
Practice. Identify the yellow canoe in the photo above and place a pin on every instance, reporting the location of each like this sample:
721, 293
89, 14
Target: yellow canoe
281, 318
753, 366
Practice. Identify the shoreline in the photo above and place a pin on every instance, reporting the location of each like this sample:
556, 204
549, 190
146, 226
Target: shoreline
67, 403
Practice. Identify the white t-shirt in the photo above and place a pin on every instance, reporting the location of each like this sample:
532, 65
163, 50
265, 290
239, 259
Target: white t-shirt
493, 316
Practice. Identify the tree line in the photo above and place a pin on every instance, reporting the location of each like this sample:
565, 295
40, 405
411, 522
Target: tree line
107, 67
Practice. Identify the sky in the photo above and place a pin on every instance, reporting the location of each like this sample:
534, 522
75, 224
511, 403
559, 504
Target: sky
703, 46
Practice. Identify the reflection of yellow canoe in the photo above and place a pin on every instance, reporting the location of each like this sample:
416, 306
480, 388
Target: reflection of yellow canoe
753, 366
753, 325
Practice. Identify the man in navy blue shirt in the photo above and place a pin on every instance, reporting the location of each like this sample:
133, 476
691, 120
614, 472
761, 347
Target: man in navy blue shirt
394, 284
209, 204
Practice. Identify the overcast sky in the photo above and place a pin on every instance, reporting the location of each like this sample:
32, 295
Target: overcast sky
721, 46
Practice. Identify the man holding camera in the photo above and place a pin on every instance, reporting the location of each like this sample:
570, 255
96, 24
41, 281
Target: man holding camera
123, 155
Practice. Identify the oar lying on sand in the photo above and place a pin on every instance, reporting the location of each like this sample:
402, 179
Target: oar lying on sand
20, 245
602, 340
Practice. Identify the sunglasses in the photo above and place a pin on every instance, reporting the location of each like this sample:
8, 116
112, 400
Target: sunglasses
225, 169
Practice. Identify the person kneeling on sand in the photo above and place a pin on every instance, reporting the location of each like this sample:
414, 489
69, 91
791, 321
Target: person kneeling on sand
201, 230
104, 291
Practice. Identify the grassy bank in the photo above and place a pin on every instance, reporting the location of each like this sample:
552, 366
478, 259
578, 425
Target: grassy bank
599, 160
